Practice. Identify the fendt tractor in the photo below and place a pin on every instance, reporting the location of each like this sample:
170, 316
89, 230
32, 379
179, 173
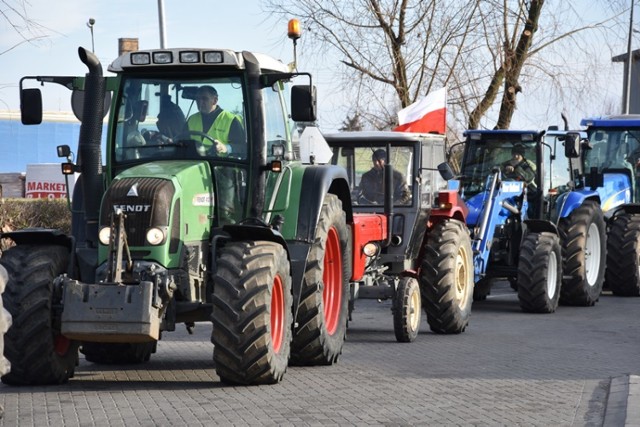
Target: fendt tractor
176, 229
605, 177
426, 260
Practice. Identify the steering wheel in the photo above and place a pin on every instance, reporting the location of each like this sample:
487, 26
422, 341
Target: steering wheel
511, 174
200, 146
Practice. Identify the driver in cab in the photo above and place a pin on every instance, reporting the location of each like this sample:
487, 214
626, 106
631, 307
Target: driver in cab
519, 168
224, 128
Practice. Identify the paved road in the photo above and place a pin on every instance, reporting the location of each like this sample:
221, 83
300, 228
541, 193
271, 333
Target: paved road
508, 368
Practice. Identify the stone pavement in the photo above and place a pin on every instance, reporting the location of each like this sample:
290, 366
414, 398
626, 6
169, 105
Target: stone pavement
576, 367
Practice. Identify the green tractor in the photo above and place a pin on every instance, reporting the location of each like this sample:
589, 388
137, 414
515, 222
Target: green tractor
256, 239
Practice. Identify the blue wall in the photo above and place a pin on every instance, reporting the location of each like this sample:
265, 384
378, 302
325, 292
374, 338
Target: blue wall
21, 145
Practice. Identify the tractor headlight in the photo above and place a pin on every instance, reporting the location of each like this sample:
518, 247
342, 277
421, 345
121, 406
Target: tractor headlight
155, 236
104, 235
370, 249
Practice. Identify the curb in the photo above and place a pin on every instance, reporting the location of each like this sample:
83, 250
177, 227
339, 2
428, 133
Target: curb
623, 402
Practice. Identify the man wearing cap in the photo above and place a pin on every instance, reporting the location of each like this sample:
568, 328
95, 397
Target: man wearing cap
519, 168
372, 182
222, 126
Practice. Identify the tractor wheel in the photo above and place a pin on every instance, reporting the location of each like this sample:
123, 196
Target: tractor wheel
446, 277
324, 298
118, 353
38, 353
623, 256
5, 322
252, 313
406, 310
584, 249
539, 273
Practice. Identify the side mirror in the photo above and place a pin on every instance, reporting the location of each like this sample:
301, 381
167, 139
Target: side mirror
572, 145
445, 171
31, 106
140, 109
63, 151
303, 103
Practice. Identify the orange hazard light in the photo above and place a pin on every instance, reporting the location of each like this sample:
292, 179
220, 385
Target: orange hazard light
293, 29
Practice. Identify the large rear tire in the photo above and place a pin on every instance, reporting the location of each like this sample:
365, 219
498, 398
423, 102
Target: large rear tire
407, 310
324, 300
118, 353
623, 256
539, 273
252, 313
5, 322
38, 353
446, 277
584, 251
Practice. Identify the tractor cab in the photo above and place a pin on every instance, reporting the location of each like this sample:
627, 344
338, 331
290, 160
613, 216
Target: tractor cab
516, 155
612, 158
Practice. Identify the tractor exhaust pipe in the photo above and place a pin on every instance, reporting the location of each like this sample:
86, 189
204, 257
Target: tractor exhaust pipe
89, 154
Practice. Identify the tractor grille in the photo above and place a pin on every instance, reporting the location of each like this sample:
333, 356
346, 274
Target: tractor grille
145, 201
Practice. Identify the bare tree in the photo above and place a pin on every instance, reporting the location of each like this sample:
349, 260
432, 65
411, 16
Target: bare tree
486, 52
15, 14
393, 52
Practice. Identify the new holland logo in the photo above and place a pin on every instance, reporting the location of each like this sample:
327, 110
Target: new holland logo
133, 191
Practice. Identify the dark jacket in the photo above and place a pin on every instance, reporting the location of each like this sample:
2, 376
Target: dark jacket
372, 187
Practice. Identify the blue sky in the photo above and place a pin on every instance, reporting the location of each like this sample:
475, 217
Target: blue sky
239, 25
192, 23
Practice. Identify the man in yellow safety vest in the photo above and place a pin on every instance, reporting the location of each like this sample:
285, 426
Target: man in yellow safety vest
222, 126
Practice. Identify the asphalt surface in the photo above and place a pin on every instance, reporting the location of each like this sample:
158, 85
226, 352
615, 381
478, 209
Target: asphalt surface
578, 366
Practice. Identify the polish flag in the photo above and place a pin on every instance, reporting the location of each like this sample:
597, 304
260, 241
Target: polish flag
426, 115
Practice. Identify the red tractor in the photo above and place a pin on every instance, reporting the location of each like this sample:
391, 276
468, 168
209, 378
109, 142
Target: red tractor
425, 260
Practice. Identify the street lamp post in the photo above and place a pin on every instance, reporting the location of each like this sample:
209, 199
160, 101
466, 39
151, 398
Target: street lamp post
90, 24
163, 39
627, 87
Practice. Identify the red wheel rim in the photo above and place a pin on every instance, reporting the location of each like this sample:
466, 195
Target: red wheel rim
332, 278
61, 344
277, 314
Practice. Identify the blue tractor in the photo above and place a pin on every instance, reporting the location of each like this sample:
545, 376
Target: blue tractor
511, 239
606, 176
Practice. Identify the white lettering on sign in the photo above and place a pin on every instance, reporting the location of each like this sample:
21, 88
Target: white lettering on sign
203, 199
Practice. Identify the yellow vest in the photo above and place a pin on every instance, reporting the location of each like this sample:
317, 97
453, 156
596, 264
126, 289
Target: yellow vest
219, 128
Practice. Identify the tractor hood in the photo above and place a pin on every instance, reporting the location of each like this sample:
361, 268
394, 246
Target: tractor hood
163, 194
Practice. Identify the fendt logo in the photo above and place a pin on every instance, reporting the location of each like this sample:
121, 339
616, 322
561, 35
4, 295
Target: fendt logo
133, 191
132, 208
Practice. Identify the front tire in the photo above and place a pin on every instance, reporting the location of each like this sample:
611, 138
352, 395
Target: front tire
623, 256
324, 300
38, 353
584, 251
407, 310
252, 313
446, 277
539, 273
